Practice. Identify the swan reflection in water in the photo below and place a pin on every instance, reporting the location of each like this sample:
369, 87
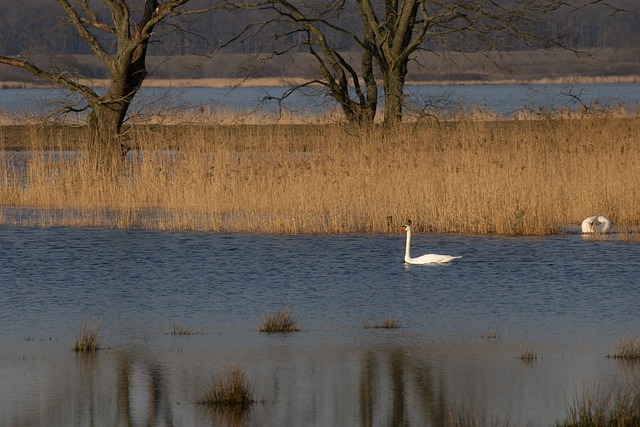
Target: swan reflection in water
596, 224
423, 259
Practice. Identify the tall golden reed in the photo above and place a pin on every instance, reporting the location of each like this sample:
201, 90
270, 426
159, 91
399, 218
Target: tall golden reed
527, 177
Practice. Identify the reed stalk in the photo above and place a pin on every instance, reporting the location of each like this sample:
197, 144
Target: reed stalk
516, 177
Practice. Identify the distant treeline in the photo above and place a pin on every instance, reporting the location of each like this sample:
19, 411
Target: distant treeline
37, 28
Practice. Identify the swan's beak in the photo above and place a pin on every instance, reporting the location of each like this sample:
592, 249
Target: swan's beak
403, 228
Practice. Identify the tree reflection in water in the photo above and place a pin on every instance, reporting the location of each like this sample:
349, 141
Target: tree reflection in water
408, 378
141, 391
373, 385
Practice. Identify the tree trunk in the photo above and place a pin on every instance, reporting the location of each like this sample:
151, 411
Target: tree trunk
394, 81
107, 145
109, 112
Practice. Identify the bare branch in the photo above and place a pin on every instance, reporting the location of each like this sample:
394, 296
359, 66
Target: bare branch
61, 79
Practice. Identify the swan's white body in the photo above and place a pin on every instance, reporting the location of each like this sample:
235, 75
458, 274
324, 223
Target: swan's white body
596, 224
424, 259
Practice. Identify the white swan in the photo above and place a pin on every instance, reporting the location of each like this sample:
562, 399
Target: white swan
596, 224
424, 259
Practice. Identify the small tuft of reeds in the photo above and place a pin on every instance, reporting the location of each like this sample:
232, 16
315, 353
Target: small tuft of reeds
527, 354
620, 407
89, 338
628, 349
230, 390
468, 418
490, 335
179, 329
282, 321
389, 322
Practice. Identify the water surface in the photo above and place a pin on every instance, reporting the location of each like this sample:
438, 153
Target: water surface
501, 99
568, 298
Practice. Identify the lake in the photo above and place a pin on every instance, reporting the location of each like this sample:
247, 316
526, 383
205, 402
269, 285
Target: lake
464, 325
501, 99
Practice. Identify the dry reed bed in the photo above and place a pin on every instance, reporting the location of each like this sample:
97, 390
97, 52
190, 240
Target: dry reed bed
529, 177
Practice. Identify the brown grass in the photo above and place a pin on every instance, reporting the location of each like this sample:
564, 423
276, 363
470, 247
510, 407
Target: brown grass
529, 177
628, 349
527, 354
229, 398
230, 389
619, 407
89, 338
179, 329
389, 322
282, 321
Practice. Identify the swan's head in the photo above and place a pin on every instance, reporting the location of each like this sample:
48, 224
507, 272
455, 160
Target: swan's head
406, 227
594, 223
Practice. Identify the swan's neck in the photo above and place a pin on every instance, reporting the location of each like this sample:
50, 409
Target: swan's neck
407, 252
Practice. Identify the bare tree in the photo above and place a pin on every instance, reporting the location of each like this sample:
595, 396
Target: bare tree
389, 34
284, 26
120, 41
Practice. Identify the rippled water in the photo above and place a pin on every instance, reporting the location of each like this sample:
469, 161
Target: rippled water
568, 298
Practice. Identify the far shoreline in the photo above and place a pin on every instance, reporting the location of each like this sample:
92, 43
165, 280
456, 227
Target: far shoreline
230, 83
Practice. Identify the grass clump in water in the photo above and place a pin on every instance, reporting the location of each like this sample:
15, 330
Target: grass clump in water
527, 354
620, 407
282, 321
628, 349
229, 391
89, 339
388, 323
490, 335
179, 329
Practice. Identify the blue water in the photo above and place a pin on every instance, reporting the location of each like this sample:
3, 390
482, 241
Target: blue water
569, 298
502, 99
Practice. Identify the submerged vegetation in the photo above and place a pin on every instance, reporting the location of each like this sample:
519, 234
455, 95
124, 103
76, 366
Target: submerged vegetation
474, 175
282, 321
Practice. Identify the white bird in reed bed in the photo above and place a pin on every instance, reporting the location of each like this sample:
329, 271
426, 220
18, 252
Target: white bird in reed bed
424, 259
596, 224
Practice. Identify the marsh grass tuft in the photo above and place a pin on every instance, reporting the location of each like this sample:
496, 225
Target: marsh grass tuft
231, 389
178, 330
527, 354
282, 321
490, 335
628, 349
229, 397
620, 407
89, 339
468, 418
389, 322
